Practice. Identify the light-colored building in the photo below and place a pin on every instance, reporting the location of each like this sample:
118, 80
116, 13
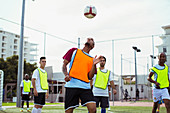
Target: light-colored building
165, 46
56, 85
128, 82
9, 46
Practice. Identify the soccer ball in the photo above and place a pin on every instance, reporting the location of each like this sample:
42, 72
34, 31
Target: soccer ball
90, 12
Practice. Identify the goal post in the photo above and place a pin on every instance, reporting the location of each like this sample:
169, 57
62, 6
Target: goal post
1, 88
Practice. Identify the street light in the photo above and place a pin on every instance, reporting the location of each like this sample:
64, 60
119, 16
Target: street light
136, 50
121, 87
20, 62
153, 57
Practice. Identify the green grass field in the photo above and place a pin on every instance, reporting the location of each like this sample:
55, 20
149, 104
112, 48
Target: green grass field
31, 103
114, 109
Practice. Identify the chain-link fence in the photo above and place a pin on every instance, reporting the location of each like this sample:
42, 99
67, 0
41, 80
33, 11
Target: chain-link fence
54, 47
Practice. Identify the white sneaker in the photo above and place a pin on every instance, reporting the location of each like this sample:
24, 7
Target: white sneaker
109, 108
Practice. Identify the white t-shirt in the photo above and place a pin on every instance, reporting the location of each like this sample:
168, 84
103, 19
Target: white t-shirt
22, 85
37, 81
99, 91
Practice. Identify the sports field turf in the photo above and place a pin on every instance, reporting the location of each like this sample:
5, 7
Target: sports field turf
31, 103
114, 109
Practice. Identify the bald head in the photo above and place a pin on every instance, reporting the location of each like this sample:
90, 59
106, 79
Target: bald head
162, 58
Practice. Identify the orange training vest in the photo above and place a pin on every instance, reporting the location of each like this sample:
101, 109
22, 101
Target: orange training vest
81, 66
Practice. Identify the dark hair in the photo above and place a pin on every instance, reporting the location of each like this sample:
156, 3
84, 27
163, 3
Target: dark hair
42, 58
104, 58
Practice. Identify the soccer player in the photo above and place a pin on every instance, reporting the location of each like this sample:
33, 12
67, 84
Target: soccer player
100, 86
40, 85
161, 83
82, 68
26, 86
126, 95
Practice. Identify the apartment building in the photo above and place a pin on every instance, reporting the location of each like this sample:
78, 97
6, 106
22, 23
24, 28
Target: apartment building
9, 46
165, 46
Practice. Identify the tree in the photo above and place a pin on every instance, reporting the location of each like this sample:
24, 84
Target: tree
2, 63
10, 68
29, 68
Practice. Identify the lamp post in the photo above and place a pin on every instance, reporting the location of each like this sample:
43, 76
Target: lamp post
20, 62
121, 87
136, 84
113, 67
44, 42
79, 43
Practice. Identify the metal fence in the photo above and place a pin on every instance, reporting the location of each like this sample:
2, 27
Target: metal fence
54, 47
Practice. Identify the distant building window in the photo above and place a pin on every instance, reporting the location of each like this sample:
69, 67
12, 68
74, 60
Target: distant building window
3, 56
3, 38
25, 54
17, 36
15, 52
15, 41
26, 43
15, 47
3, 50
25, 49
164, 49
3, 44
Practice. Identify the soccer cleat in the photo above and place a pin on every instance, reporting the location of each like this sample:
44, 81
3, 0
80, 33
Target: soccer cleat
157, 112
21, 110
28, 111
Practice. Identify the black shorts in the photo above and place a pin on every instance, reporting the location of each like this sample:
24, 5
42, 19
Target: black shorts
73, 95
40, 99
25, 97
104, 102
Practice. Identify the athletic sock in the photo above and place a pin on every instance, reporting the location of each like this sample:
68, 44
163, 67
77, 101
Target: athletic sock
34, 110
27, 108
103, 110
39, 110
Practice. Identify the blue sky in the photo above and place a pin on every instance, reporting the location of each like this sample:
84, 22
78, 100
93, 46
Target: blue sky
115, 19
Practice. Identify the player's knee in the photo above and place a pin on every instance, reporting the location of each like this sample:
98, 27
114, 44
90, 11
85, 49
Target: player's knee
38, 106
167, 104
155, 105
92, 110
